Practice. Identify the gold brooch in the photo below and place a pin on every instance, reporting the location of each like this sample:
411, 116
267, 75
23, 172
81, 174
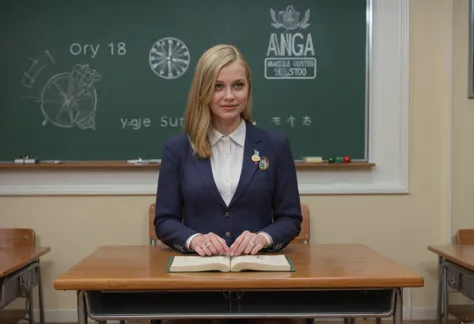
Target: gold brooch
256, 156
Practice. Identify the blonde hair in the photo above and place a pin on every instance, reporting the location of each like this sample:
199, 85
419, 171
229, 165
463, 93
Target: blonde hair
197, 118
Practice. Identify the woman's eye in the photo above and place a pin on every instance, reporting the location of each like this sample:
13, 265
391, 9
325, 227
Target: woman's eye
218, 87
239, 85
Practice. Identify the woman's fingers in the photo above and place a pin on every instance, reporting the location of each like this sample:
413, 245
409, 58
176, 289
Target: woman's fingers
259, 243
220, 245
255, 244
198, 244
234, 248
199, 251
208, 245
212, 244
248, 243
245, 243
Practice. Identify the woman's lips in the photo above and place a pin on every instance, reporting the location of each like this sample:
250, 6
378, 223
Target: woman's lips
228, 107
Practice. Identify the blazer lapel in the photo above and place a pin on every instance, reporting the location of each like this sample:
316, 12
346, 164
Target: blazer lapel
252, 142
205, 171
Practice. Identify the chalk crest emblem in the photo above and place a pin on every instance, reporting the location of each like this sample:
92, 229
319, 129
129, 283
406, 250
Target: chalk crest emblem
289, 19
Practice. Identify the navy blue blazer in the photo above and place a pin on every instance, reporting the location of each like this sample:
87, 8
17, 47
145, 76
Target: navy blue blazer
188, 201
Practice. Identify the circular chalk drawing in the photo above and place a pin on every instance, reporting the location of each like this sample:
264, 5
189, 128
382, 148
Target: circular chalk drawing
169, 58
65, 103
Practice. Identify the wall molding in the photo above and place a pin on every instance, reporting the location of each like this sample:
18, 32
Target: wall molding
388, 137
448, 127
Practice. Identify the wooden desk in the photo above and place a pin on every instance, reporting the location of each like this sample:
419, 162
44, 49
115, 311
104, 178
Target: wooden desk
19, 274
131, 282
455, 270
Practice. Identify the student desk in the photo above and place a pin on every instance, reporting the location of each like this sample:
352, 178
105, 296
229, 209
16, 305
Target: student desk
343, 281
19, 274
456, 270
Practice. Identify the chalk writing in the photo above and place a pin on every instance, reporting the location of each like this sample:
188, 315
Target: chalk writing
306, 121
135, 123
172, 121
292, 121
84, 49
92, 50
166, 121
118, 48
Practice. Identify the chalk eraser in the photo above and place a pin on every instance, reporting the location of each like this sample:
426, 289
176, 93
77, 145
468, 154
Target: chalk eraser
24, 161
313, 159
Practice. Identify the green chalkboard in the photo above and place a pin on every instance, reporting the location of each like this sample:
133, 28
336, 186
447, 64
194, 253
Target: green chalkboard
91, 80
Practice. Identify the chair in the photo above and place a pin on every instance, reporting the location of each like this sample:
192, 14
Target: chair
465, 313
302, 238
22, 237
465, 237
305, 234
17, 237
151, 226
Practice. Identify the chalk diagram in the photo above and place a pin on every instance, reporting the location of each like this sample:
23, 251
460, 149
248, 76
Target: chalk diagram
69, 99
169, 58
37, 66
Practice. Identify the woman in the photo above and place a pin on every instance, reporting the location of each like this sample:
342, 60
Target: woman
226, 186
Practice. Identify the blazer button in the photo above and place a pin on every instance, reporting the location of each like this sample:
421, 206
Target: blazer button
227, 214
227, 234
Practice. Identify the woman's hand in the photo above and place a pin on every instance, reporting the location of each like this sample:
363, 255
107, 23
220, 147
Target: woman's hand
248, 243
209, 244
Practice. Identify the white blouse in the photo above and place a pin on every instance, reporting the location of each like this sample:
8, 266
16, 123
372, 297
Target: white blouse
226, 160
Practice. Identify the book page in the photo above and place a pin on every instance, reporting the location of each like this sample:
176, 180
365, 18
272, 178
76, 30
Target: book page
197, 260
200, 263
260, 263
261, 259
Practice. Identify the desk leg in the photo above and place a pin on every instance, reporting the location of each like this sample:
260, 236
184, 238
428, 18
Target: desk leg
40, 297
444, 310
81, 308
398, 312
439, 310
31, 317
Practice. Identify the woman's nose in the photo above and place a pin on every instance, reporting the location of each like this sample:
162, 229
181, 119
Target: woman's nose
229, 95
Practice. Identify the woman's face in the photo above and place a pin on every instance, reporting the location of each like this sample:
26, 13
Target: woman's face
230, 93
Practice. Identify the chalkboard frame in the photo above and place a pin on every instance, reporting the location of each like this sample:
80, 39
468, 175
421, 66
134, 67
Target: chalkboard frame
363, 146
471, 51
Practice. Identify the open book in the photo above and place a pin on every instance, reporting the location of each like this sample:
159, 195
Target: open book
194, 263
